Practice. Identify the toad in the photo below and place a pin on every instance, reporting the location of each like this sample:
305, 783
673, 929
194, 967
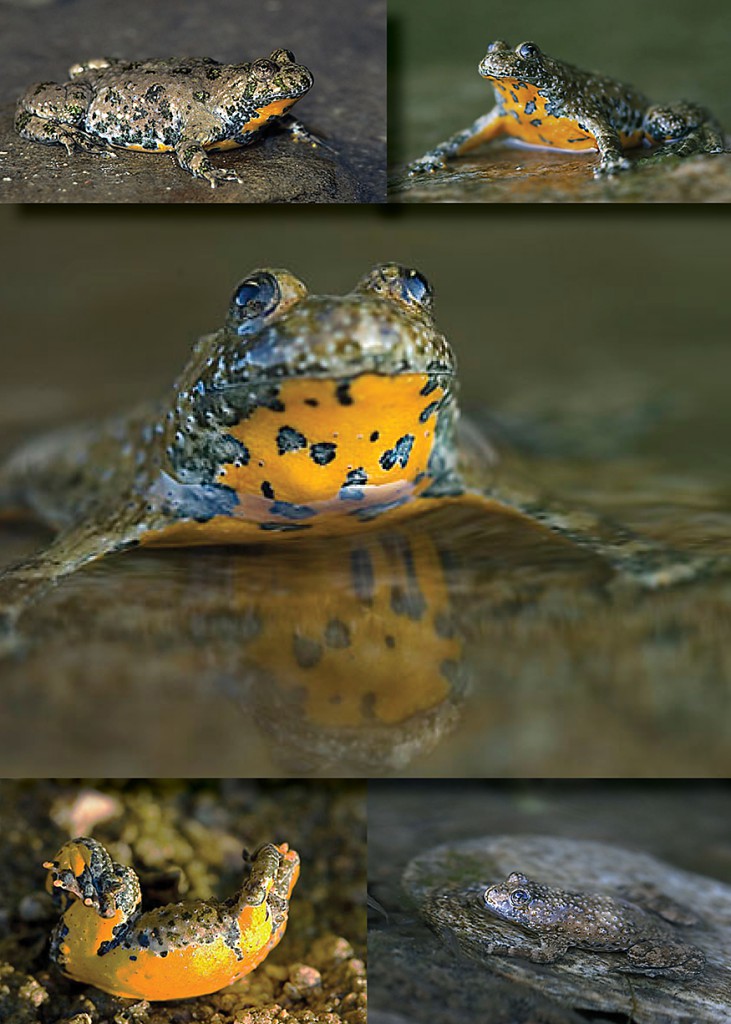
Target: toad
545, 102
190, 106
171, 952
595, 921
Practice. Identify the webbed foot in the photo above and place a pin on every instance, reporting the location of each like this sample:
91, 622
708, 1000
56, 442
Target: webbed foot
427, 164
609, 166
193, 158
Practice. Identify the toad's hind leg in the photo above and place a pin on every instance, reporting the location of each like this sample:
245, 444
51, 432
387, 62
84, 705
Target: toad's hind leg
484, 129
21, 585
683, 130
636, 560
53, 114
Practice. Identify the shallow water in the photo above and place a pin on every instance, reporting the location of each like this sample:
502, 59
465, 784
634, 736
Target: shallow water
594, 351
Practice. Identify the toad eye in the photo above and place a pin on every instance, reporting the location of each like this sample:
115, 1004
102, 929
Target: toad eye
265, 67
255, 298
401, 284
519, 896
499, 44
416, 288
528, 50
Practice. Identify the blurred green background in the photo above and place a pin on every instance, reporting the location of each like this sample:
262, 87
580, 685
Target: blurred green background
589, 312
669, 51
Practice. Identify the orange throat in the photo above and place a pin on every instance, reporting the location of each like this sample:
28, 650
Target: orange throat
327, 456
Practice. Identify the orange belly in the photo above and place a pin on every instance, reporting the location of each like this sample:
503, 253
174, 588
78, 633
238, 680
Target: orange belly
334, 441
528, 121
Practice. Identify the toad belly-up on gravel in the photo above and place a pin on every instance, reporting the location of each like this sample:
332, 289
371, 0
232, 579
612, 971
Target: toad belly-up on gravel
171, 952
190, 106
544, 102
303, 416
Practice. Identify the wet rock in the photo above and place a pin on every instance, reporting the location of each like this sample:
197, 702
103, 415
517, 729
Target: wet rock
504, 173
277, 169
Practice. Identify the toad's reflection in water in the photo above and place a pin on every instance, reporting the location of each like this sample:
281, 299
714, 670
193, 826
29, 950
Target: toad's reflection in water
492, 645
359, 651
355, 658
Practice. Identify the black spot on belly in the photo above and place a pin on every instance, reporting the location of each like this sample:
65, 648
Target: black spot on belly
361, 571
311, 401
536, 122
290, 440
400, 453
351, 488
513, 97
267, 490
291, 511
337, 634
374, 436
343, 395
530, 107
322, 452
307, 653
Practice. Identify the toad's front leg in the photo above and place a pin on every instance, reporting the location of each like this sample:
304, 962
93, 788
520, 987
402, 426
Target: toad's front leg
484, 129
301, 133
611, 154
99, 899
193, 158
22, 584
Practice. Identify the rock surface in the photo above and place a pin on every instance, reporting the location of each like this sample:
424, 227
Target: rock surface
505, 173
580, 980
